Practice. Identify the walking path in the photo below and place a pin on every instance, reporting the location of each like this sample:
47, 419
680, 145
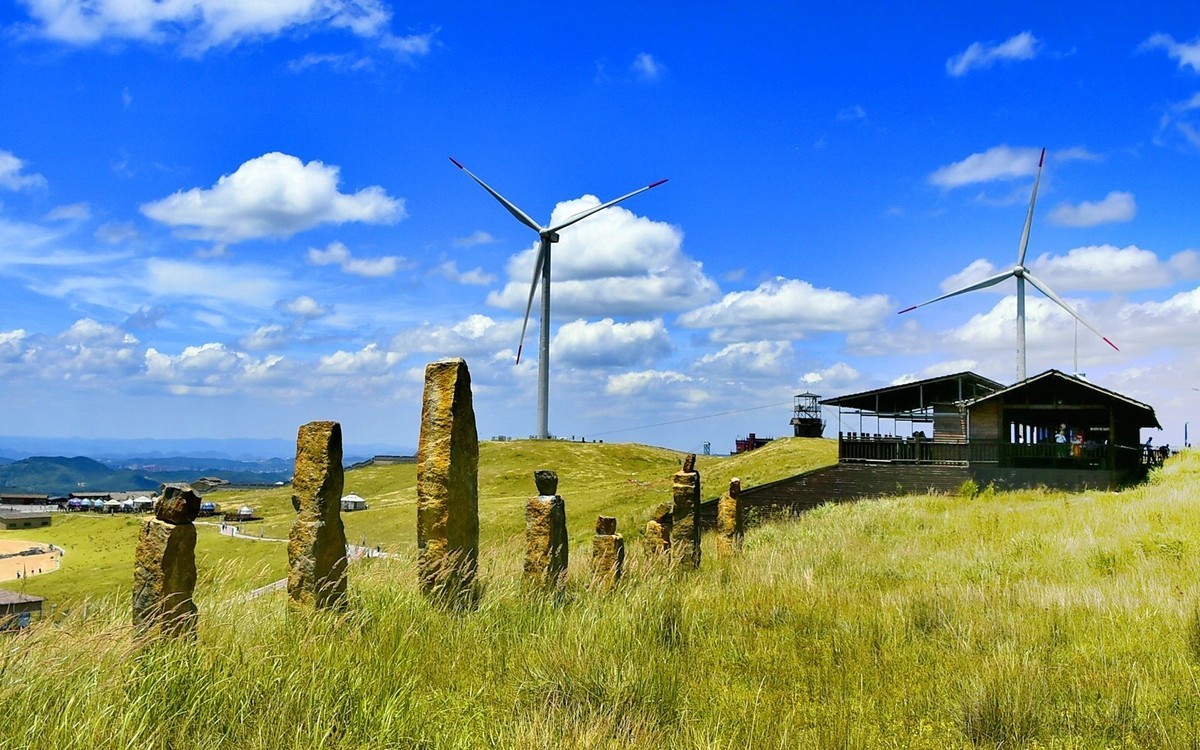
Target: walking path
353, 552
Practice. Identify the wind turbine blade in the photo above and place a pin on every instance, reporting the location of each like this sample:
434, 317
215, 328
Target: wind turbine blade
1029, 216
543, 248
512, 209
990, 281
1041, 287
586, 213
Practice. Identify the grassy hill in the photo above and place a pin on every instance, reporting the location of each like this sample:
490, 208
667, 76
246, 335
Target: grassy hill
1029, 619
617, 479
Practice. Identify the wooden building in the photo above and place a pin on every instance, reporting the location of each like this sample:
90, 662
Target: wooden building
1052, 429
17, 610
11, 521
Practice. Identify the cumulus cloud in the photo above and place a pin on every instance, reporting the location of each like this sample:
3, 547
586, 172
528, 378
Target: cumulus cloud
1001, 162
210, 369
478, 237
787, 309
983, 55
646, 67
474, 277
605, 343
612, 263
637, 383
1187, 54
478, 335
303, 307
1116, 207
339, 255
1112, 269
748, 359
13, 175
91, 350
200, 24
839, 377
273, 195
370, 360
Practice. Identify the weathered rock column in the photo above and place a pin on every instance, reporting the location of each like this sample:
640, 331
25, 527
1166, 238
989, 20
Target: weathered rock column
730, 523
546, 544
164, 569
685, 531
608, 553
317, 542
447, 482
658, 531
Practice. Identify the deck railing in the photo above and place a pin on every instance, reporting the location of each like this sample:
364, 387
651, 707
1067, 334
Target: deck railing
856, 447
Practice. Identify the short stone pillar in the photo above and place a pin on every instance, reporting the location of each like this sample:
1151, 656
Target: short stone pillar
657, 540
685, 531
730, 523
317, 541
546, 543
447, 482
164, 568
608, 553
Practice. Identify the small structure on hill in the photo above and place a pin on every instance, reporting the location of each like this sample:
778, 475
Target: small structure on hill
17, 610
749, 443
1052, 429
353, 502
10, 521
806, 416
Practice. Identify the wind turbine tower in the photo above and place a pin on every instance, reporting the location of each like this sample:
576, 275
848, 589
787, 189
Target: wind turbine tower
541, 270
1021, 274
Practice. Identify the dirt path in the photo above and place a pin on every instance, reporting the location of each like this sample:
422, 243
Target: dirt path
19, 566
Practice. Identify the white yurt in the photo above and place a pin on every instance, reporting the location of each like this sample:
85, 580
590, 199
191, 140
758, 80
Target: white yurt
353, 502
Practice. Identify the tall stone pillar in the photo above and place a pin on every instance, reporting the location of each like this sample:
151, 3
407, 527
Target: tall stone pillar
546, 544
685, 532
730, 521
658, 531
447, 482
317, 542
608, 553
164, 568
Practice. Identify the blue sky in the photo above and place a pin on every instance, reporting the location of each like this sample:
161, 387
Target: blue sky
227, 219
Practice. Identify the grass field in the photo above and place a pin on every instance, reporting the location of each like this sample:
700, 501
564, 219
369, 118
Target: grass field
617, 479
1032, 619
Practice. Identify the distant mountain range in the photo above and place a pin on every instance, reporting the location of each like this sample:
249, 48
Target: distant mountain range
59, 476
126, 449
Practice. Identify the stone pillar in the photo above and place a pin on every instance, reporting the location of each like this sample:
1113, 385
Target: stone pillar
546, 544
164, 568
658, 531
317, 542
729, 520
685, 531
447, 482
608, 553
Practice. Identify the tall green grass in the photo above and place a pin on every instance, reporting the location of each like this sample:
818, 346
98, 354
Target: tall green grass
1030, 619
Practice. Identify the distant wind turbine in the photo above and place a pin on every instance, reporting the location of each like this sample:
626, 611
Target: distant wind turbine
1022, 274
541, 269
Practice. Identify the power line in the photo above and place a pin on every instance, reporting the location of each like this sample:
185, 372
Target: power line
692, 419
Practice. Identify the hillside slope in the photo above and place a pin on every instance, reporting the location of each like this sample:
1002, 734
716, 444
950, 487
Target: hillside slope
1030, 619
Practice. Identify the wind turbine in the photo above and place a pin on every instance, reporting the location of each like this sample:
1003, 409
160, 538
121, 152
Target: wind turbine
1021, 274
541, 269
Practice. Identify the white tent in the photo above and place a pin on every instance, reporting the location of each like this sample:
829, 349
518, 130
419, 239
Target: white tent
353, 502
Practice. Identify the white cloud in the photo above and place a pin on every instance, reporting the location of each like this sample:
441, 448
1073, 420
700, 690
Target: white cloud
210, 369
605, 343
115, 232
272, 336
748, 359
274, 195
200, 24
976, 270
852, 114
787, 309
303, 307
478, 237
636, 383
1116, 207
838, 378
13, 175
370, 360
474, 277
982, 55
1001, 162
1185, 53
612, 263
89, 350
647, 67
478, 335
70, 212
338, 254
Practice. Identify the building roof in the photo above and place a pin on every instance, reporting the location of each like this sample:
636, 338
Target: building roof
1056, 388
11, 515
912, 398
15, 597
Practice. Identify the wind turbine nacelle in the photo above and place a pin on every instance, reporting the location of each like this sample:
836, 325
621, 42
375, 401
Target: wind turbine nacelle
550, 236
